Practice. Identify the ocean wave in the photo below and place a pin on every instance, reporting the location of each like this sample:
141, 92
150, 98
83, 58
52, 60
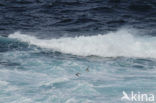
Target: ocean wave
112, 44
7, 44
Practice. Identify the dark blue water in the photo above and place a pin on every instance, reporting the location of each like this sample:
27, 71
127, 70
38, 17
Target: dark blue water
72, 17
46, 47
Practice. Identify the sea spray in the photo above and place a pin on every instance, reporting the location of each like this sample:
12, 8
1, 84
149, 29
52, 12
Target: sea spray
113, 44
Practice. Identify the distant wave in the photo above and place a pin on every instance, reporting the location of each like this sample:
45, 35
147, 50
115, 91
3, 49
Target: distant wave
113, 44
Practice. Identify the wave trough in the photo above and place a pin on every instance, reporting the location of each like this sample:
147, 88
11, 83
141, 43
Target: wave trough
113, 44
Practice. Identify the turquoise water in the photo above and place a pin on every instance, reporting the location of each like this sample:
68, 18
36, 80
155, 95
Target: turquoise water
46, 47
31, 74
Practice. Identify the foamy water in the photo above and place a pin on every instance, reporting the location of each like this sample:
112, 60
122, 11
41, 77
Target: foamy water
113, 44
29, 74
73, 51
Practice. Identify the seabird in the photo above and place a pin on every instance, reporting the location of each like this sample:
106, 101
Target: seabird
87, 69
77, 74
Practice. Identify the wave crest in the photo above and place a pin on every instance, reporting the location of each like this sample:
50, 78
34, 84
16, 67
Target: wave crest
113, 44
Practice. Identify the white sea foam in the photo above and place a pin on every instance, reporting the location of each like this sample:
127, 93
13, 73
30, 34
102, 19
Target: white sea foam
113, 44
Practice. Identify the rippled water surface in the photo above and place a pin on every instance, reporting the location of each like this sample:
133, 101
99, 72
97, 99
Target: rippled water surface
76, 51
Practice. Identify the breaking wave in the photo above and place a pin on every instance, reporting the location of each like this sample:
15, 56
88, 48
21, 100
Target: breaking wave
112, 44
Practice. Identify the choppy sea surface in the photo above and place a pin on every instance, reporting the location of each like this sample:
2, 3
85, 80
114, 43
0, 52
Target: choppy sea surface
76, 51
